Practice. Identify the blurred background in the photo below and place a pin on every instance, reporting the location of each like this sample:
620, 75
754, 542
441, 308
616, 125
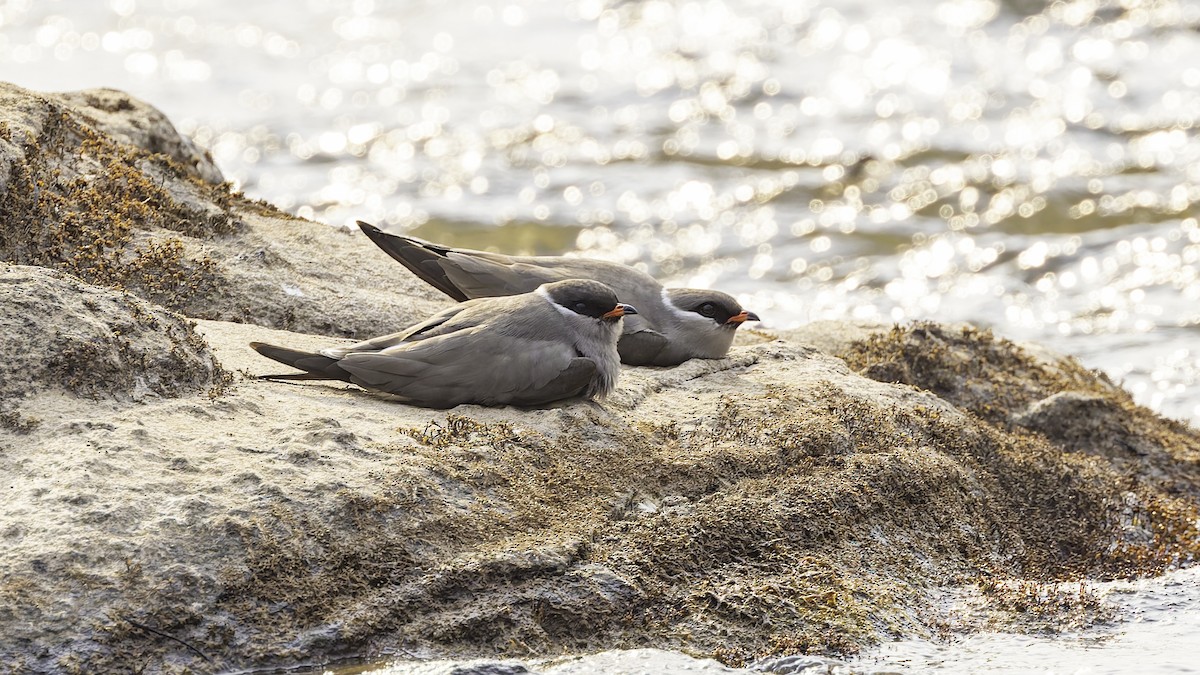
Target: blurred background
1032, 167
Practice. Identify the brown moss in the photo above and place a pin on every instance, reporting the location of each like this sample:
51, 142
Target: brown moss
83, 203
1074, 416
971, 368
1174, 539
154, 619
96, 343
18, 423
98, 366
790, 523
1041, 606
301, 565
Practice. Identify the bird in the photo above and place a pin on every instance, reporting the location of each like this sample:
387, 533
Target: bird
672, 325
557, 342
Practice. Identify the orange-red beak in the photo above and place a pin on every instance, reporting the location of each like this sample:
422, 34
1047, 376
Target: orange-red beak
741, 317
619, 311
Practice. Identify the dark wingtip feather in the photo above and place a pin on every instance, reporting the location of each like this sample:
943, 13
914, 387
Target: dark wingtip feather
295, 376
420, 257
315, 366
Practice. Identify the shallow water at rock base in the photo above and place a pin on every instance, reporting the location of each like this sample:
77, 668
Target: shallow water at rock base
1156, 632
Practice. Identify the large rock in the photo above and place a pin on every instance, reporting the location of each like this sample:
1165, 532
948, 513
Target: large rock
815, 492
100, 185
770, 503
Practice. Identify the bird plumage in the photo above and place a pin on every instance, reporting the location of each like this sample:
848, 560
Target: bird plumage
527, 349
669, 329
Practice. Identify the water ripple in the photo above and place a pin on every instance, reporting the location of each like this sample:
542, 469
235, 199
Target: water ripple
1028, 166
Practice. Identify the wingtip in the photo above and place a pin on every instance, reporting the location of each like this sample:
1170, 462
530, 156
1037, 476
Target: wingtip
265, 349
381, 237
395, 244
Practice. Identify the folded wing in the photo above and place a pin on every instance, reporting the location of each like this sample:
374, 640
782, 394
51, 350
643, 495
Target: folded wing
445, 371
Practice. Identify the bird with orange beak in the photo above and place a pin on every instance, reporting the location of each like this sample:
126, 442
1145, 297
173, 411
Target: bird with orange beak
672, 324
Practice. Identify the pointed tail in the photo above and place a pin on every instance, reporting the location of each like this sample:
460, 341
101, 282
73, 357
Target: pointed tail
421, 258
316, 366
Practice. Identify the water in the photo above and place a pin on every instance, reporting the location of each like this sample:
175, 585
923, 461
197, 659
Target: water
1157, 630
1030, 167
1025, 167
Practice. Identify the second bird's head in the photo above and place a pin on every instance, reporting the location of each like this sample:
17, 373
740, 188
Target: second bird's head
586, 298
713, 309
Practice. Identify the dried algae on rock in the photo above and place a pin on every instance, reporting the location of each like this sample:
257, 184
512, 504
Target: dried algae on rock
1067, 420
101, 185
81, 201
805, 510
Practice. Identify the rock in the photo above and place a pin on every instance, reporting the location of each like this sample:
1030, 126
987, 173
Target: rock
132, 122
1082, 422
791, 499
800, 508
61, 334
100, 185
1025, 387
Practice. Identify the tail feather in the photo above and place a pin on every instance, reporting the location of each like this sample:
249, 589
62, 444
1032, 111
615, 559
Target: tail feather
315, 366
421, 258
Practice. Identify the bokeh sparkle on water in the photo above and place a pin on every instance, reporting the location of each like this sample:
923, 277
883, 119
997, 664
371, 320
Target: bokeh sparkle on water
1028, 166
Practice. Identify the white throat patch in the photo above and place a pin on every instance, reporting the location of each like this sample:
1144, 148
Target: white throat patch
561, 310
683, 314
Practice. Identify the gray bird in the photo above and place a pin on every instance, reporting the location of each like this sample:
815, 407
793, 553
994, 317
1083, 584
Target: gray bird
672, 326
557, 342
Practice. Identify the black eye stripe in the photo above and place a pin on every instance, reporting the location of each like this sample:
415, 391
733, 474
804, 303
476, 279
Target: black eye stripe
582, 297
716, 311
592, 308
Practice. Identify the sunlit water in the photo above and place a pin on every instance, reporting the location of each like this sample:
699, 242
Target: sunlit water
1157, 631
1027, 166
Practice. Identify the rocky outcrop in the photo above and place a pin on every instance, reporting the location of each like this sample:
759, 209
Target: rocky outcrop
95, 342
814, 492
100, 185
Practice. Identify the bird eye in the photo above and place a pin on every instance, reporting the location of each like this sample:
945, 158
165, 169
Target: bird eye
707, 309
581, 307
